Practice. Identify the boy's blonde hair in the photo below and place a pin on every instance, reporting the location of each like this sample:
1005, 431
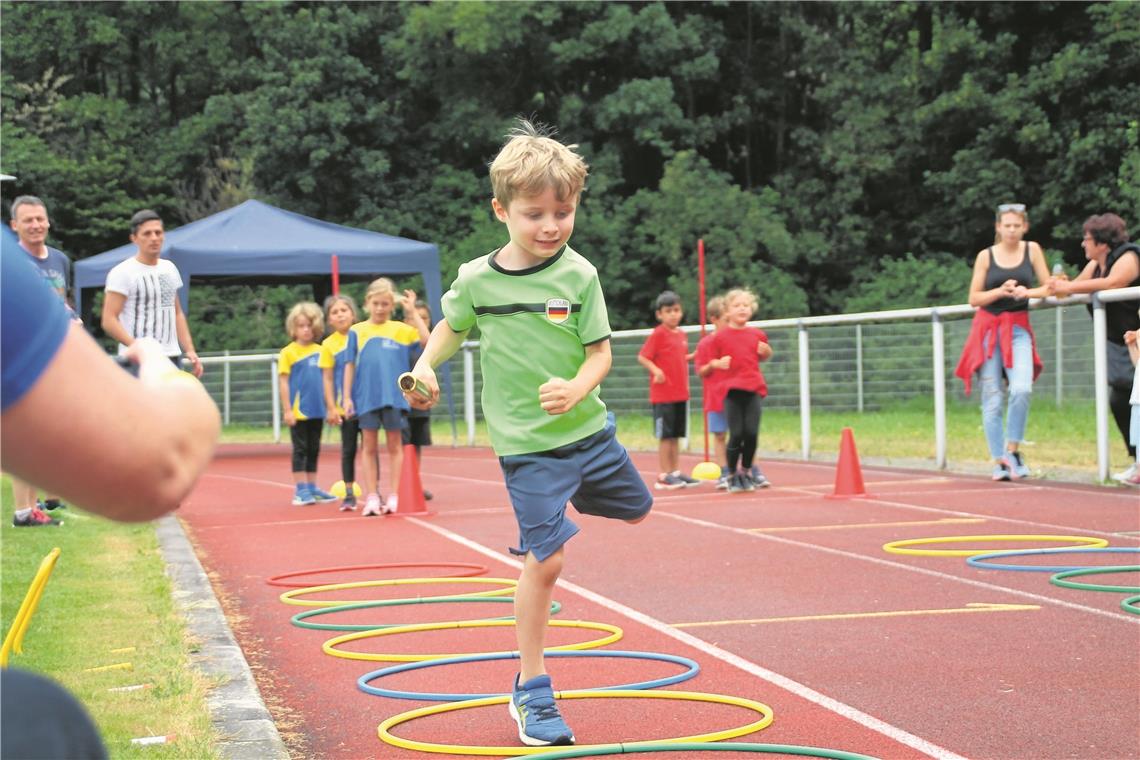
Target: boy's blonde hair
735, 293
379, 287
343, 298
531, 161
714, 309
310, 311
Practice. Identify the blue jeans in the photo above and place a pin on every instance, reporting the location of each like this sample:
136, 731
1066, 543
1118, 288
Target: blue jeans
1020, 378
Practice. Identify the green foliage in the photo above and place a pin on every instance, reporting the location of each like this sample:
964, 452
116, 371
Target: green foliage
910, 282
821, 150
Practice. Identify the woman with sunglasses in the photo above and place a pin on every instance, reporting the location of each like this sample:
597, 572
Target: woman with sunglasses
1113, 262
1001, 341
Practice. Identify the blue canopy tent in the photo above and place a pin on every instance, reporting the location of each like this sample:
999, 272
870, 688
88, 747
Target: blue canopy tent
255, 243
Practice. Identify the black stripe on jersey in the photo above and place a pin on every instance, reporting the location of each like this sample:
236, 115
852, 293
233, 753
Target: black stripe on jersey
517, 308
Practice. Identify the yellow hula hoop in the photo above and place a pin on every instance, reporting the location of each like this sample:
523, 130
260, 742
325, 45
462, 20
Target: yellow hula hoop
384, 729
899, 547
289, 597
329, 647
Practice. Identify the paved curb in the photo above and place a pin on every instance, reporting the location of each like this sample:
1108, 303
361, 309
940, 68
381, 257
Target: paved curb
236, 708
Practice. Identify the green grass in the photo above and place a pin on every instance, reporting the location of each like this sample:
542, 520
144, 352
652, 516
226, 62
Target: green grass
108, 591
1062, 440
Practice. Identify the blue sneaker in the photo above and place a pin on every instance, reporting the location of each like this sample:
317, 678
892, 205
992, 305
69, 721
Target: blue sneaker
532, 706
1001, 471
319, 496
1017, 466
302, 496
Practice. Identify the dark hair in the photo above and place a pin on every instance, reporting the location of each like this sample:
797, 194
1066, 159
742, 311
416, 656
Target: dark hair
1106, 228
668, 298
142, 217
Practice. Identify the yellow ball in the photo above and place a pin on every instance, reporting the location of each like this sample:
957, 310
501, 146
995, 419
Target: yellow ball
338, 490
706, 471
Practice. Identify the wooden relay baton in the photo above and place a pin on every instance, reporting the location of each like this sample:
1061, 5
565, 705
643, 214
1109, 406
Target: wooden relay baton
413, 386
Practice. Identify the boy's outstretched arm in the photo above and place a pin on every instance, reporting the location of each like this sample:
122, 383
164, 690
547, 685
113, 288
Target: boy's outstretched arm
441, 346
559, 396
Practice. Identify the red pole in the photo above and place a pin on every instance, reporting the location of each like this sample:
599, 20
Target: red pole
701, 296
335, 275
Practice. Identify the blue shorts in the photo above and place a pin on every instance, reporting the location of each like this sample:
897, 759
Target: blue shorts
595, 474
717, 423
387, 417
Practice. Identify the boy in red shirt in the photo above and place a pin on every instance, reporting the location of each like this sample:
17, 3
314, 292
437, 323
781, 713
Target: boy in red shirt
713, 370
666, 356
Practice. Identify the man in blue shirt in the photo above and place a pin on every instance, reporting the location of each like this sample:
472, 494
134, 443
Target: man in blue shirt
31, 224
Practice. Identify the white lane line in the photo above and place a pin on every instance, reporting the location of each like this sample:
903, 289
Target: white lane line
805, 692
900, 566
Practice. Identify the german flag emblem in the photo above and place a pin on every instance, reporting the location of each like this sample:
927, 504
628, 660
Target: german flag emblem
557, 310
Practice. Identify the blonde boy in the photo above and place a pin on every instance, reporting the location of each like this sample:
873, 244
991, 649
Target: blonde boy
545, 335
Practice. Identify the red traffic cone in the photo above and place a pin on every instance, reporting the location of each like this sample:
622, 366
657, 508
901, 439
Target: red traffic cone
411, 495
848, 475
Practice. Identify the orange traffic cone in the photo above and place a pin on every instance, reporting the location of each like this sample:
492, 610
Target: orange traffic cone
411, 496
848, 475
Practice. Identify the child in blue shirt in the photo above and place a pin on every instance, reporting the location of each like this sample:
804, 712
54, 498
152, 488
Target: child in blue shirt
303, 399
379, 351
340, 315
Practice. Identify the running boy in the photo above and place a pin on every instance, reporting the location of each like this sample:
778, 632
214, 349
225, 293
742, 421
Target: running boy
712, 370
665, 355
545, 336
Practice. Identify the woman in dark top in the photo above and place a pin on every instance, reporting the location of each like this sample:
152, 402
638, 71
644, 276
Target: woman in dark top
1001, 340
1113, 262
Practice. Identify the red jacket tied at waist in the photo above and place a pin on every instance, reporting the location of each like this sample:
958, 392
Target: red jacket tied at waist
975, 353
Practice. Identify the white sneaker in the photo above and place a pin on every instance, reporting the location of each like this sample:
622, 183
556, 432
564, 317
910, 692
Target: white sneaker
371, 506
390, 507
1128, 474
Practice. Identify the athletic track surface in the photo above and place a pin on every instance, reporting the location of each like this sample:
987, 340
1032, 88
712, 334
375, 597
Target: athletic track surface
782, 596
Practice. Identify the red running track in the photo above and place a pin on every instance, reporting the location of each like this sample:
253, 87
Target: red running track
781, 595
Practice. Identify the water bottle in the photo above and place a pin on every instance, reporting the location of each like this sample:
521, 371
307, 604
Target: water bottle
1058, 269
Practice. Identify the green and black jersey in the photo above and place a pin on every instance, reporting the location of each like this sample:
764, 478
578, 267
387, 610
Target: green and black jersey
534, 324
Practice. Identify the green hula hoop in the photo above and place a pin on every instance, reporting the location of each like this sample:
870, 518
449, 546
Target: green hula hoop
1131, 604
299, 619
775, 749
1061, 579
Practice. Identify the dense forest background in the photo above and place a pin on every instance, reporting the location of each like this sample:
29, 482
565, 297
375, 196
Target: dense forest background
833, 156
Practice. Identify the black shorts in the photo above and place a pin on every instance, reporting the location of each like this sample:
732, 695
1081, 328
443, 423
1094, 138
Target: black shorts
670, 420
418, 431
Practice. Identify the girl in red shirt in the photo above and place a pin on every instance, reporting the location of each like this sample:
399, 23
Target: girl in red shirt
745, 348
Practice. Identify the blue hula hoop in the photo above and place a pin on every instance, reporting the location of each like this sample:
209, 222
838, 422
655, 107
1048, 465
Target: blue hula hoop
363, 681
982, 560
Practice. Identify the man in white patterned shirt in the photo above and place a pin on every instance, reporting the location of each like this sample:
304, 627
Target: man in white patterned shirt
141, 298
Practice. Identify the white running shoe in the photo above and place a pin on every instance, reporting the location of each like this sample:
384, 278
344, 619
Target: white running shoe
372, 506
1128, 474
390, 507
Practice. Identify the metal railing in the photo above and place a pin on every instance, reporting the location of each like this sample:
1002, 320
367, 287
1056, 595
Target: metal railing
847, 361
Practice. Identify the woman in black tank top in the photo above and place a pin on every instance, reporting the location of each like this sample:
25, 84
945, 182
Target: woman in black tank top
1001, 342
1113, 262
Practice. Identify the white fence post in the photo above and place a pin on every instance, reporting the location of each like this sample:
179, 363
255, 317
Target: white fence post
805, 392
938, 341
1100, 375
469, 393
859, 368
275, 395
1058, 353
226, 389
